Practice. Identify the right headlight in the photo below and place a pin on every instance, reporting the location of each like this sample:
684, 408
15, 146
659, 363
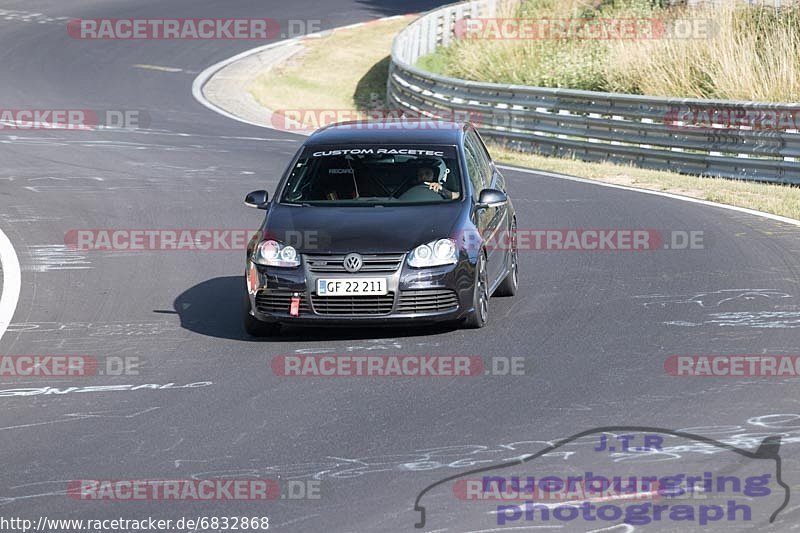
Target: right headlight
273, 253
435, 253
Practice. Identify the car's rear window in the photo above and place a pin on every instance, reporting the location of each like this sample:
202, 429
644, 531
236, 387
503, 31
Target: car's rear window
374, 174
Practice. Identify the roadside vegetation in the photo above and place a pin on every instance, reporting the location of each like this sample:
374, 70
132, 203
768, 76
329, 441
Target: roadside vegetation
731, 52
348, 69
776, 199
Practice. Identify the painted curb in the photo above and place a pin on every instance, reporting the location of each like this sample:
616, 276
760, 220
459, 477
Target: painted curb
12, 282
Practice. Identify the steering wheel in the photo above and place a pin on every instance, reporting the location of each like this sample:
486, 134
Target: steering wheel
402, 186
420, 192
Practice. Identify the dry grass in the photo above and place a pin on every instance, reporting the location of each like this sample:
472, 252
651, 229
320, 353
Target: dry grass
749, 53
776, 199
328, 77
339, 72
754, 54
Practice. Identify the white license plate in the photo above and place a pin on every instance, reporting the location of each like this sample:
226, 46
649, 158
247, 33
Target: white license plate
351, 287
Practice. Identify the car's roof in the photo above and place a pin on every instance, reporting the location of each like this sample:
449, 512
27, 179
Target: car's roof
396, 131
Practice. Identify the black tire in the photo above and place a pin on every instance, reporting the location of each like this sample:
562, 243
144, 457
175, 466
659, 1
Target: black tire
509, 285
480, 314
255, 327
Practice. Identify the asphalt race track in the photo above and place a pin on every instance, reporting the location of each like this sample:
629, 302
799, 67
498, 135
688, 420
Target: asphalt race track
594, 328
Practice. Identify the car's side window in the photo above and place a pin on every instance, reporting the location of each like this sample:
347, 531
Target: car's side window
484, 167
494, 180
473, 169
482, 145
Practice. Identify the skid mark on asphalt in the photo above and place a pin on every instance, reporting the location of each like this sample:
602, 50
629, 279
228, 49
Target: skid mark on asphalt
107, 338
20, 214
5, 500
376, 344
13, 15
169, 133
75, 417
91, 184
96, 329
751, 318
764, 319
713, 298
70, 137
456, 457
104, 144
66, 189
56, 391
48, 257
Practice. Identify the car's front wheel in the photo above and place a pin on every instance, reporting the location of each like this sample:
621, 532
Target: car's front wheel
509, 286
480, 312
255, 327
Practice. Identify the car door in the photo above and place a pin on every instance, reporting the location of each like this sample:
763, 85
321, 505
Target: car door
502, 214
490, 219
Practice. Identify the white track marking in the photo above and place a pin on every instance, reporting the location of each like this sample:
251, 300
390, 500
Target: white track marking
12, 282
770, 216
203, 77
207, 74
157, 68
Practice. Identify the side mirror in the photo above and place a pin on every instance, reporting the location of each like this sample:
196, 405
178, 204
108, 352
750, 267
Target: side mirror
257, 199
491, 198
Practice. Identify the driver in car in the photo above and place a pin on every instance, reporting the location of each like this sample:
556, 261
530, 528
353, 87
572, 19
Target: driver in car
425, 175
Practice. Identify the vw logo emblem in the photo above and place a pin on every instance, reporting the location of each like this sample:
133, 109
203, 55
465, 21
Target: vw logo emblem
353, 262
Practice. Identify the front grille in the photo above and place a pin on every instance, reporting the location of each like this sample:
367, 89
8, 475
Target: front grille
353, 305
372, 263
427, 301
279, 301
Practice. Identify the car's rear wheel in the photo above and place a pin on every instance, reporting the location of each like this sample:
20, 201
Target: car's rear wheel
508, 287
255, 327
480, 312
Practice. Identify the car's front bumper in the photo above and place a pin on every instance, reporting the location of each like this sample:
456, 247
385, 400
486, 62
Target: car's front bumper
439, 294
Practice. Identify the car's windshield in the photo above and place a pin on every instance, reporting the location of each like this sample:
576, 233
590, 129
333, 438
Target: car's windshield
357, 175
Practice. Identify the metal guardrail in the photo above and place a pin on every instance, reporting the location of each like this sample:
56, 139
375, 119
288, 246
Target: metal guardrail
640, 130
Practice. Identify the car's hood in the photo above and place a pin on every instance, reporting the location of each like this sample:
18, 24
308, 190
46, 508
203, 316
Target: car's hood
362, 229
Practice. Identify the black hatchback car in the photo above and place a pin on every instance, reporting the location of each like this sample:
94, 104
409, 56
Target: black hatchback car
391, 223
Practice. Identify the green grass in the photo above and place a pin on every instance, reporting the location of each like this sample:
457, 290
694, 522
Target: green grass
752, 53
436, 62
776, 199
345, 70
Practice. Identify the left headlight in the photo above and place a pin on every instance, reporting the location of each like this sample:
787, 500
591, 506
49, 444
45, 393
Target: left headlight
435, 253
273, 253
